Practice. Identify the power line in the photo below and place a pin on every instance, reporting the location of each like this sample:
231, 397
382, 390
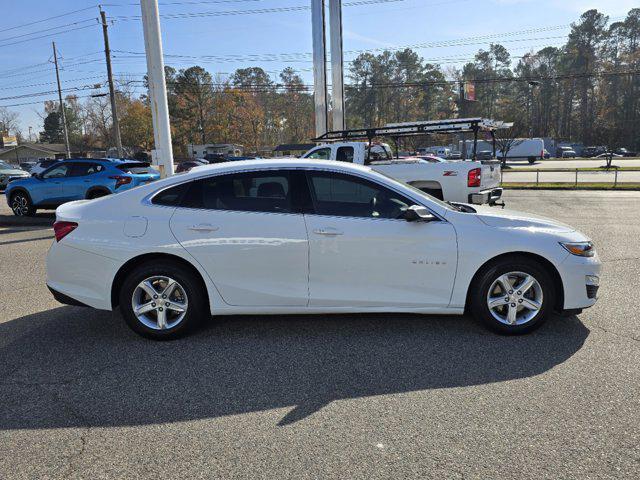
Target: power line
48, 29
49, 18
226, 13
49, 100
53, 83
49, 35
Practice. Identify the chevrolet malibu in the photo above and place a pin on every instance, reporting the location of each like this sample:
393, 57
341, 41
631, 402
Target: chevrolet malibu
294, 236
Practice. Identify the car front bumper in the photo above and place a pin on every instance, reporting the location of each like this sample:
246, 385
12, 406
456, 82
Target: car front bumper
581, 281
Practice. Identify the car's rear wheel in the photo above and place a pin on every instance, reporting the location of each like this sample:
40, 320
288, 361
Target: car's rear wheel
22, 205
513, 296
162, 300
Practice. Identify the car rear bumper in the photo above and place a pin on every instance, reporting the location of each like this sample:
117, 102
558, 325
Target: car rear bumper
490, 196
78, 276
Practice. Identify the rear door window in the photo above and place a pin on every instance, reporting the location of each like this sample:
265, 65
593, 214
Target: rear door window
345, 154
246, 192
84, 169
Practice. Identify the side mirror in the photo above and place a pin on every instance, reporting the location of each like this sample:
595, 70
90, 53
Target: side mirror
417, 213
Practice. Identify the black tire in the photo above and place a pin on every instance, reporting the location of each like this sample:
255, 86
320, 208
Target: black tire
21, 205
479, 291
97, 194
531, 160
197, 306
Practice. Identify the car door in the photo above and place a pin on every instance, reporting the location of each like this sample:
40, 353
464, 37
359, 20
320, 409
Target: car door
243, 230
50, 192
80, 179
362, 254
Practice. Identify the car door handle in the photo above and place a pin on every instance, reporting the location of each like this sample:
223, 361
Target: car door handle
203, 227
327, 231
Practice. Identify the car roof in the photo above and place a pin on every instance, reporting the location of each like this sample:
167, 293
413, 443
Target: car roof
114, 161
270, 163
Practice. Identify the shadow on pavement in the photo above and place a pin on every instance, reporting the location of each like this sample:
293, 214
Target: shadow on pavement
40, 219
71, 366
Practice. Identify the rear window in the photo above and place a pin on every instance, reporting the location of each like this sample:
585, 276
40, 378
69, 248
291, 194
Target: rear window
171, 196
136, 168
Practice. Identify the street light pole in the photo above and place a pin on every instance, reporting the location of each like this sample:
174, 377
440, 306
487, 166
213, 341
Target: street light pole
163, 153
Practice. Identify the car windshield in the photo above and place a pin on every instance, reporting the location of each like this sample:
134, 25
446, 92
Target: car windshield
5, 165
419, 192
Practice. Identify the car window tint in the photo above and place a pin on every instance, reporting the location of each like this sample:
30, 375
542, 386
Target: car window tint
171, 196
57, 172
348, 196
84, 169
250, 192
345, 154
321, 154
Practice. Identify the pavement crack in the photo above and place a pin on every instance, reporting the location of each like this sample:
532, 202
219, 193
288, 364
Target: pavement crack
615, 334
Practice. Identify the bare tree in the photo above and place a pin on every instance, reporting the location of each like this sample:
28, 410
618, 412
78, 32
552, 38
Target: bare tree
506, 140
8, 121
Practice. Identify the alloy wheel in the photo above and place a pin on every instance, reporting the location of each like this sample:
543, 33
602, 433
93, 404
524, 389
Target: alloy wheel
515, 298
20, 205
159, 302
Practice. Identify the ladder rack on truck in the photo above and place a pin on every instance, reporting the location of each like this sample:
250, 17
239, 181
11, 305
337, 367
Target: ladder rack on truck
399, 130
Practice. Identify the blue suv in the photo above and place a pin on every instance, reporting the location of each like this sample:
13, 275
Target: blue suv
76, 179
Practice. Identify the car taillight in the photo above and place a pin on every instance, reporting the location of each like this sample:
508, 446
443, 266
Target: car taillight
120, 180
474, 177
541, 154
62, 229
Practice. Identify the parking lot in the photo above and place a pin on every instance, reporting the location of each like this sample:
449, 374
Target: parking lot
341, 396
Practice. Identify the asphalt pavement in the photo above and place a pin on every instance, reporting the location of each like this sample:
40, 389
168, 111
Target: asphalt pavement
326, 396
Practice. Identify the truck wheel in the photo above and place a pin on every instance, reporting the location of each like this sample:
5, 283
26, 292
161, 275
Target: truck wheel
532, 160
513, 296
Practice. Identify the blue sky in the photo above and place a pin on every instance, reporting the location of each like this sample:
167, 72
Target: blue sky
24, 69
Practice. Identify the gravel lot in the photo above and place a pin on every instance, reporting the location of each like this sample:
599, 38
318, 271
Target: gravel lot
349, 396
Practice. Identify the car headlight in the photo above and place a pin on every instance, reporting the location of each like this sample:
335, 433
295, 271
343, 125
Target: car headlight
581, 249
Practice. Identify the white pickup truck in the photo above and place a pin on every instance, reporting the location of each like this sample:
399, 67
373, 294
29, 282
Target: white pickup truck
456, 181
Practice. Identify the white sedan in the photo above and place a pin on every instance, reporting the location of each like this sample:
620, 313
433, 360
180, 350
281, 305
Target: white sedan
294, 236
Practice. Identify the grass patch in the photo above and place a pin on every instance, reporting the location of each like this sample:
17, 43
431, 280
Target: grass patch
580, 169
571, 186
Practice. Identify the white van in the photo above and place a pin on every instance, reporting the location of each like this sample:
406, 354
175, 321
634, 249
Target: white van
530, 149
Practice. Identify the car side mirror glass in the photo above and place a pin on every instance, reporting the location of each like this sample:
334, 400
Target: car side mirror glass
418, 213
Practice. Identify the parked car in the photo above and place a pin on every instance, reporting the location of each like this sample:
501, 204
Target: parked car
10, 173
565, 152
590, 152
82, 178
189, 164
293, 236
42, 164
546, 154
484, 155
623, 152
27, 166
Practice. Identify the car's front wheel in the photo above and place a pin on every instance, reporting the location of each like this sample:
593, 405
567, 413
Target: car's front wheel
22, 205
162, 300
513, 296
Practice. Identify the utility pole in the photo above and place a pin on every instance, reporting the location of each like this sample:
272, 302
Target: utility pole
319, 66
112, 94
64, 117
337, 61
532, 85
163, 154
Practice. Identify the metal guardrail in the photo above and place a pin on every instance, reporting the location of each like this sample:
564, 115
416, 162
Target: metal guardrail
577, 171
